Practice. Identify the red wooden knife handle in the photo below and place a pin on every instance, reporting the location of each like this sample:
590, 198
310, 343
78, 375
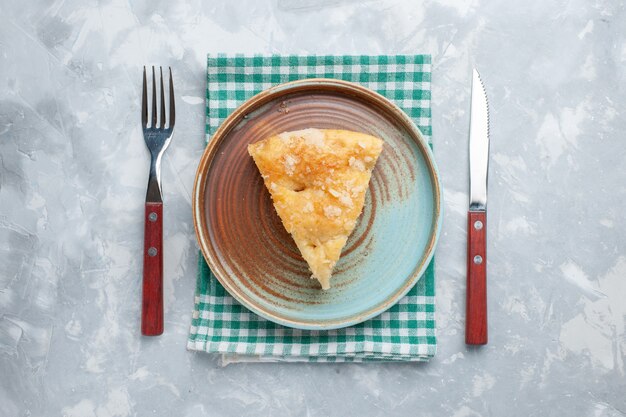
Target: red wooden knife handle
152, 303
476, 307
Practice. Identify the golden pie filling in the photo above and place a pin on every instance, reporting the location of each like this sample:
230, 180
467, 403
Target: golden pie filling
318, 179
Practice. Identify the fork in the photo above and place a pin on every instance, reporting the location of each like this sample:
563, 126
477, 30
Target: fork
157, 138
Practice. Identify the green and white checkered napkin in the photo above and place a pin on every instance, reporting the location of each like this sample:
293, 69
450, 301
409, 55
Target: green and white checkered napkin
405, 332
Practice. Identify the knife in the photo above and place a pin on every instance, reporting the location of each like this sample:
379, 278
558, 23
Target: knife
476, 306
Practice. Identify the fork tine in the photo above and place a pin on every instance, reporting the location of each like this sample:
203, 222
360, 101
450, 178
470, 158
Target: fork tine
154, 100
162, 101
172, 108
144, 101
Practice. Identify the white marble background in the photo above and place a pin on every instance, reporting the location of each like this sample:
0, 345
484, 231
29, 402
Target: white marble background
73, 171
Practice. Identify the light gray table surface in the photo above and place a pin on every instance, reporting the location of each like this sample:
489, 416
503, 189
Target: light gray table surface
73, 172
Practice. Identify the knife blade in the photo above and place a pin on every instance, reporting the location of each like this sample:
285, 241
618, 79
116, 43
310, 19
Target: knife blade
476, 303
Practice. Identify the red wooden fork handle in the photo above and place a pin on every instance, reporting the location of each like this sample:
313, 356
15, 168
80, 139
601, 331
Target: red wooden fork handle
152, 303
476, 307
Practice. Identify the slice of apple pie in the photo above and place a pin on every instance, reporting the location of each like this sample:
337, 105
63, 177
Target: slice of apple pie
317, 179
